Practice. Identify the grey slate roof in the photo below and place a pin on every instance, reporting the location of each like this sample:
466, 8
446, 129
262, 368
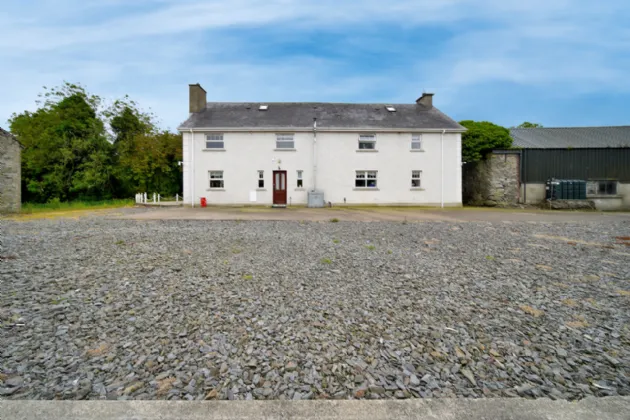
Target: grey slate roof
299, 115
575, 137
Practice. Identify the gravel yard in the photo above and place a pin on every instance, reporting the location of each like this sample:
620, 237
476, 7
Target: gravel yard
100, 308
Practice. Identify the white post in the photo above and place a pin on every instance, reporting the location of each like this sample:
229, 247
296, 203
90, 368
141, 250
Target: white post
153, 198
159, 198
145, 198
177, 198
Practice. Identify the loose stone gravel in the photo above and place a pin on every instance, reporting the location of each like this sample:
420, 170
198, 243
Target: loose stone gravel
98, 308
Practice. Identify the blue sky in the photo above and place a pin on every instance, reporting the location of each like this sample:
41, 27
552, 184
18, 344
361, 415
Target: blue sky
556, 62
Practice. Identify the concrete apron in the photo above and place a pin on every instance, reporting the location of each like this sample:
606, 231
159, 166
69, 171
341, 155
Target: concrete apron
450, 409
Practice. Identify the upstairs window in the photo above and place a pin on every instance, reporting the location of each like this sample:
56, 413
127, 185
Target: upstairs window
367, 142
214, 141
416, 179
300, 182
261, 179
416, 142
285, 141
365, 179
216, 179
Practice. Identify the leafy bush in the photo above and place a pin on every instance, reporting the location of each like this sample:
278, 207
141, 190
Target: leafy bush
481, 138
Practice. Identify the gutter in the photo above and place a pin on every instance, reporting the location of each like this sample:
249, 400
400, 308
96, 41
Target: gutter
329, 129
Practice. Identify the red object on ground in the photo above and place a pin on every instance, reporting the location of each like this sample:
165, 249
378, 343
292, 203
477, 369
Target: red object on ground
204, 203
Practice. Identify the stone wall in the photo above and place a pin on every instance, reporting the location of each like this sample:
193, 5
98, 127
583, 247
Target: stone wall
493, 181
10, 173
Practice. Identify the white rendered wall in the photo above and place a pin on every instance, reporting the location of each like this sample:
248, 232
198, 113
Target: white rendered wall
337, 160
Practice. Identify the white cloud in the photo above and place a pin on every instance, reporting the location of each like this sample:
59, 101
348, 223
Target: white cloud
150, 49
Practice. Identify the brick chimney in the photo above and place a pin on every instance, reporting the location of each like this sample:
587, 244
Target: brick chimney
426, 99
197, 98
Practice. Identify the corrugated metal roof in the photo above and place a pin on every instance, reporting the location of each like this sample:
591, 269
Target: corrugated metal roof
575, 137
300, 115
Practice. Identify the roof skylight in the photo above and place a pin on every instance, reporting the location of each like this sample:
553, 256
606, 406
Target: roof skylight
390, 108
263, 107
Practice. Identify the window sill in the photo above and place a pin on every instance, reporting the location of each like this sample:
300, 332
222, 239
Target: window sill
285, 150
300, 189
213, 150
365, 189
598, 196
367, 151
215, 189
416, 189
416, 150
261, 189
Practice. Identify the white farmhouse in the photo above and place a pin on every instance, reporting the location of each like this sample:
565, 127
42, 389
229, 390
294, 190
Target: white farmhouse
281, 153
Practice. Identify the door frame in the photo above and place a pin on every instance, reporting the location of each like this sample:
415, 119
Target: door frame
277, 191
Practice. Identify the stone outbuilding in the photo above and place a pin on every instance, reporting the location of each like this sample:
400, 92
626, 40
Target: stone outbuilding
10, 173
598, 156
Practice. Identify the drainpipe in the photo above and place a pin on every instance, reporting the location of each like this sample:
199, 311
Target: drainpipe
524, 176
192, 169
442, 168
314, 153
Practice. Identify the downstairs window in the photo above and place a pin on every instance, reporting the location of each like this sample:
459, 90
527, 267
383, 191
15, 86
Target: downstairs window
601, 187
216, 179
365, 179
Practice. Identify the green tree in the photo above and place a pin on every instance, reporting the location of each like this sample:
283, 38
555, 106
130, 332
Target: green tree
126, 122
78, 148
528, 124
66, 153
153, 162
481, 138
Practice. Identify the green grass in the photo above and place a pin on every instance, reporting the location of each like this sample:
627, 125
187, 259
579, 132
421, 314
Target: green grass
54, 205
326, 261
248, 277
334, 220
370, 247
336, 241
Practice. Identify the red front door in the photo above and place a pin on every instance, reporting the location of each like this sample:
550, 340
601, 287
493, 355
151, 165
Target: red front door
280, 188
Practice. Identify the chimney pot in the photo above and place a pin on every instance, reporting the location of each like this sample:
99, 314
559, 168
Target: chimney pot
426, 99
197, 98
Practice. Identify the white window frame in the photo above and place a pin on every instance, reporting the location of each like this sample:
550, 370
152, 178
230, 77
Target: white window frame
261, 180
285, 141
215, 141
416, 142
216, 177
365, 176
367, 140
416, 175
300, 179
